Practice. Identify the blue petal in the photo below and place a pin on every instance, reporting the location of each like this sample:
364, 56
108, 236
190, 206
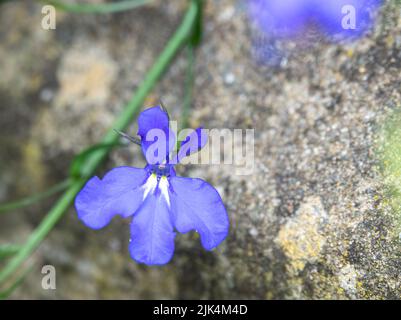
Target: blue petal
118, 193
152, 234
332, 16
194, 142
282, 18
196, 205
157, 138
289, 17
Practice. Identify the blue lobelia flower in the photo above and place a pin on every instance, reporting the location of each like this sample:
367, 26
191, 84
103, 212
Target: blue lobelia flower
289, 18
158, 201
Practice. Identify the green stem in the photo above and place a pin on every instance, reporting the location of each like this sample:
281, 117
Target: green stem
110, 7
130, 111
189, 86
6, 293
34, 198
42, 230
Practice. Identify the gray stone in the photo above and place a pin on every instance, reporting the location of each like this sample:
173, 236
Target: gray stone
315, 219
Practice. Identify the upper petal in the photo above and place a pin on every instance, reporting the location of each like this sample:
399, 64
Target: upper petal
194, 142
157, 138
196, 205
118, 193
152, 234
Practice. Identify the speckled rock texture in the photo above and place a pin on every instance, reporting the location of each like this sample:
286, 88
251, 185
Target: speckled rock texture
315, 220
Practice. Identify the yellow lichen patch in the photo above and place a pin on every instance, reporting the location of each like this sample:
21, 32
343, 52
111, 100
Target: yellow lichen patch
34, 170
389, 152
350, 53
86, 75
348, 278
81, 108
301, 238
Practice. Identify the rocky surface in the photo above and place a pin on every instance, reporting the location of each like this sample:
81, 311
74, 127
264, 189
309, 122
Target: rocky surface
318, 218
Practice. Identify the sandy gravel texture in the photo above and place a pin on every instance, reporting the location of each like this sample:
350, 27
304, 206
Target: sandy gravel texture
313, 220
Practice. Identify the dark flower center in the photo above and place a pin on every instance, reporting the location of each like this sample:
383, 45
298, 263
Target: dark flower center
162, 170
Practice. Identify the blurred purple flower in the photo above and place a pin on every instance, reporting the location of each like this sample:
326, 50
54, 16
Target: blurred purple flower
337, 19
157, 199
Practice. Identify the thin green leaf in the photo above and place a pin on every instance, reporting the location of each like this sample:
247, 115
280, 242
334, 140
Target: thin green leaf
197, 31
130, 111
77, 162
8, 250
108, 7
27, 201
